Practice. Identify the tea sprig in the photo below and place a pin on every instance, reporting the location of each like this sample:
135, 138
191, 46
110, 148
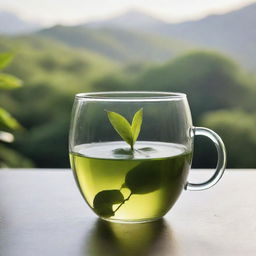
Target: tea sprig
142, 179
128, 132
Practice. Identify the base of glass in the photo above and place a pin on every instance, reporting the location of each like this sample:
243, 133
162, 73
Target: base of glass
131, 221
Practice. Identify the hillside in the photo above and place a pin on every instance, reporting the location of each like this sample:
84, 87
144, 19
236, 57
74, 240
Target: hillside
232, 33
221, 97
52, 73
136, 36
117, 44
40, 60
219, 92
204, 76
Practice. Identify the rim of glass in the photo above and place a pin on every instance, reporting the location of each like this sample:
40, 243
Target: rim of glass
130, 96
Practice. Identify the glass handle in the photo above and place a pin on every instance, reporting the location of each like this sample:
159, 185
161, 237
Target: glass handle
215, 138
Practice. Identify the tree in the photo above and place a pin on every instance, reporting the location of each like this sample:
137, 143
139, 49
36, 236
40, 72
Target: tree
237, 129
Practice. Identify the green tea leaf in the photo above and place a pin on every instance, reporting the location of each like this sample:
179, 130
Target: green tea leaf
103, 202
9, 82
136, 124
128, 133
7, 121
144, 178
122, 126
5, 59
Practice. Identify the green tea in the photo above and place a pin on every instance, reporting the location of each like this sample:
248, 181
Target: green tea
140, 185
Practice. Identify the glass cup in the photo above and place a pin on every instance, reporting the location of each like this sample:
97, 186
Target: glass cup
131, 152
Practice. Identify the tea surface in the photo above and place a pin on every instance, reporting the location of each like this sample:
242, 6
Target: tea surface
122, 185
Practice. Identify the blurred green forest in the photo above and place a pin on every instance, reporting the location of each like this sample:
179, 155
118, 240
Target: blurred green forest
221, 96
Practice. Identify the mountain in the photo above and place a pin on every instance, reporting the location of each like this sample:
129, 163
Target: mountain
11, 24
138, 37
132, 19
119, 44
233, 33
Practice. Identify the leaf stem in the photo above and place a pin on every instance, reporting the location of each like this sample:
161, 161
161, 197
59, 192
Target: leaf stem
122, 203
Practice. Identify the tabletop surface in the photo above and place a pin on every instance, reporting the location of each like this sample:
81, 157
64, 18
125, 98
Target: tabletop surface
42, 213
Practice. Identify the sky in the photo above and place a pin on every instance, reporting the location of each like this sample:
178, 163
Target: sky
49, 12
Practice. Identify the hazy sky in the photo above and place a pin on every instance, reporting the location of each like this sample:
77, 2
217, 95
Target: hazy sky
74, 11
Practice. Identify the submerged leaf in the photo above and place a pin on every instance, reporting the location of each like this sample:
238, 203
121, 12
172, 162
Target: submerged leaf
123, 153
144, 178
103, 202
147, 149
136, 124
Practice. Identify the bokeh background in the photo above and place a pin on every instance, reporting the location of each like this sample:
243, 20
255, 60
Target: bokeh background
206, 49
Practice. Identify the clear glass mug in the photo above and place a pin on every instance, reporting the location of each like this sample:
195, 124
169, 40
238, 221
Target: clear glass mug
135, 183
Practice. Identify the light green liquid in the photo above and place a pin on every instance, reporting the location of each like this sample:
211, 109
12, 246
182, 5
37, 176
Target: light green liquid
125, 186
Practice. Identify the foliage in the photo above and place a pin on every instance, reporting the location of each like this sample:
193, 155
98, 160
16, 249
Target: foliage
8, 157
11, 158
119, 45
7, 122
50, 63
47, 144
7, 82
52, 74
212, 82
237, 129
221, 96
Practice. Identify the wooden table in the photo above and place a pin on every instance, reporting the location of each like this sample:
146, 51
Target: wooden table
42, 213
